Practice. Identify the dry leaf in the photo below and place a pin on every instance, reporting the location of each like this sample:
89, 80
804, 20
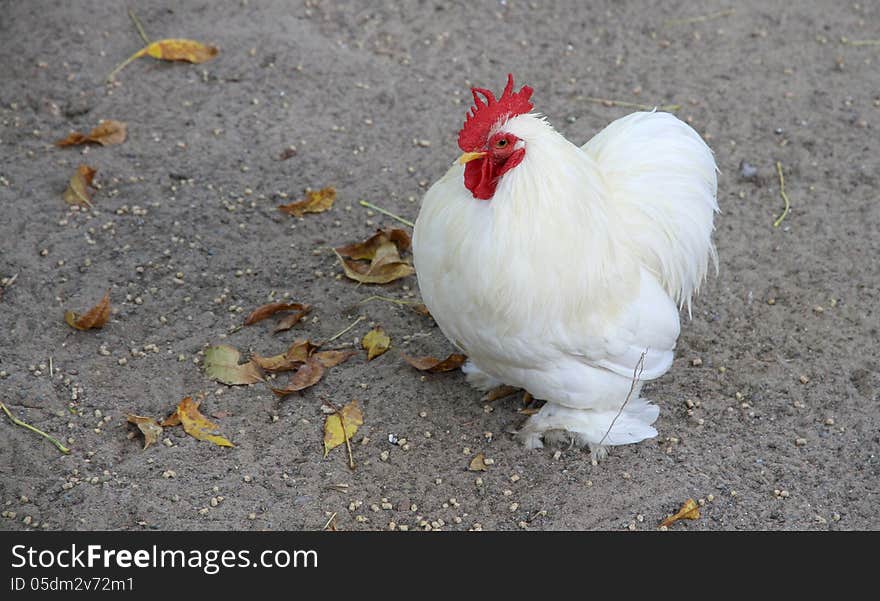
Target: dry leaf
174, 49
301, 350
107, 133
151, 430
478, 463
334, 435
171, 420
264, 311
221, 364
376, 342
96, 317
689, 511
528, 411
436, 366
314, 202
289, 321
422, 309
499, 392
308, 374
382, 251
333, 358
197, 425
368, 248
77, 192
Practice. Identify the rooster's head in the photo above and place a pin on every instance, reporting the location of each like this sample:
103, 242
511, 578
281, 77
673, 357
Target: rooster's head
489, 151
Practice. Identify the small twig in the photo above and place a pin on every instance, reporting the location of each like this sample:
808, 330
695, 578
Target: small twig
370, 205
783, 194
51, 368
669, 108
18, 422
700, 19
388, 299
860, 42
332, 517
637, 374
340, 333
138, 26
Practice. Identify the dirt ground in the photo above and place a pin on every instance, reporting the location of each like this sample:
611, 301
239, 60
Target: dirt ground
769, 414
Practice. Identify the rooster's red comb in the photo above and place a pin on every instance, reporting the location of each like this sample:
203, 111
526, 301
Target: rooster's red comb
485, 115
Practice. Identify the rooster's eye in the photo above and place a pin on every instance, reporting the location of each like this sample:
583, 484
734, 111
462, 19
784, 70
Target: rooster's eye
501, 143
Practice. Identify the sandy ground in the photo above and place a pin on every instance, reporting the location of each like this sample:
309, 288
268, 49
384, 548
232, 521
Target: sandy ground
186, 235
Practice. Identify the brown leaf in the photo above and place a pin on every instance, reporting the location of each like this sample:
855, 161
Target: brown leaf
333, 358
148, 426
421, 310
499, 392
689, 511
478, 463
314, 202
96, 317
221, 364
264, 311
308, 374
288, 321
197, 425
528, 411
382, 251
107, 133
301, 350
368, 248
376, 342
334, 432
436, 366
177, 49
77, 192
171, 420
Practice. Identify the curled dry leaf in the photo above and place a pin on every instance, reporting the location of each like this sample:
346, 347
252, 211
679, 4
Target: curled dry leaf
376, 342
436, 366
148, 426
221, 364
316, 201
107, 133
478, 463
197, 425
308, 374
288, 321
333, 358
265, 311
689, 511
78, 192
298, 353
336, 432
382, 251
96, 317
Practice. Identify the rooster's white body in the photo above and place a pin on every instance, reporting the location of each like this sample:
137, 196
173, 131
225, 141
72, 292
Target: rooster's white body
574, 268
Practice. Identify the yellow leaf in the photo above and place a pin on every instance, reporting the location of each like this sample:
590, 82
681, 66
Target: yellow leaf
197, 425
334, 433
148, 426
77, 192
96, 317
478, 463
689, 511
316, 201
179, 49
221, 364
376, 342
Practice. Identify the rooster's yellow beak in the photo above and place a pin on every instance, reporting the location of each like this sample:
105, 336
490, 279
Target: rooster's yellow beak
470, 156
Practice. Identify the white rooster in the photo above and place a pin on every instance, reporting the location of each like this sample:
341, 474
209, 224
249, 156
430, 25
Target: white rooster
556, 268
